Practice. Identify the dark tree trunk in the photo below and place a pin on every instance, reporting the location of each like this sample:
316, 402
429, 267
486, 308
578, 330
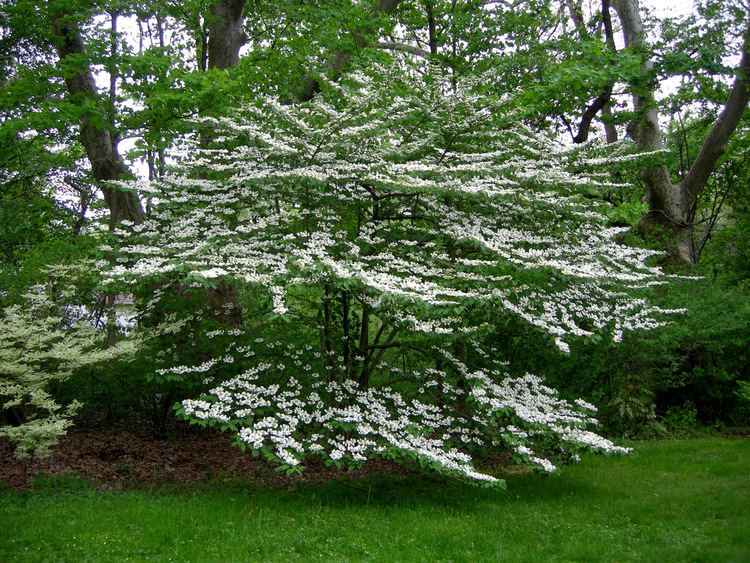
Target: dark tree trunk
345, 327
98, 138
431, 28
225, 33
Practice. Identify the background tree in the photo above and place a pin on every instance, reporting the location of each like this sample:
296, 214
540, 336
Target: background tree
672, 207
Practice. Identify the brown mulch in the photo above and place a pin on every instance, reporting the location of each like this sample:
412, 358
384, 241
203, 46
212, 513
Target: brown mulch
119, 458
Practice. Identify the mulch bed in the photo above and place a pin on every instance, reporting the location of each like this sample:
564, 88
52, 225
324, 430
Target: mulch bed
119, 458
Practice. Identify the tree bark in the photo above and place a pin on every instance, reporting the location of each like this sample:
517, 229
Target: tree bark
588, 116
610, 131
431, 28
576, 14
345, 327
98, 138
670, 205
225, 33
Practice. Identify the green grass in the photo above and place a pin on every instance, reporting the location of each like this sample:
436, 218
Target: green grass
673, 501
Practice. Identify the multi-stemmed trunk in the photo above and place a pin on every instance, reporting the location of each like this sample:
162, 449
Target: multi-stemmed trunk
670, 205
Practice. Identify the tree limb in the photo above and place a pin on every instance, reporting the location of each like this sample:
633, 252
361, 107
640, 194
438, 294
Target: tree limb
717, 138
598, 104
411, 49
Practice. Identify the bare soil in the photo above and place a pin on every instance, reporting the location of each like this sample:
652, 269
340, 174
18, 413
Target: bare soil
118, 457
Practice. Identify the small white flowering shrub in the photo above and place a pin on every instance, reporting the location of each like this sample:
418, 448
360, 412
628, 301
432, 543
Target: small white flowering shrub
39, 348
381, 229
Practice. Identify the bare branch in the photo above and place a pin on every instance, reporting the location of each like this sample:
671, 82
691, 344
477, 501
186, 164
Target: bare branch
411, 49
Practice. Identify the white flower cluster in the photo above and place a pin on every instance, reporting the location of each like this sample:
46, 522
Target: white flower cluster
427, 200
289, 419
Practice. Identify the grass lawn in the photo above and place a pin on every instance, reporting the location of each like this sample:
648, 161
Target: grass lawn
686, 500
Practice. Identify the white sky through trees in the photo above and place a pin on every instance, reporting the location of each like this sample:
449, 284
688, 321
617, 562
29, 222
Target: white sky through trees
669, 8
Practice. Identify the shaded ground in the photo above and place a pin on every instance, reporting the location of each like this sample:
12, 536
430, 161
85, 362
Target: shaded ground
119, 458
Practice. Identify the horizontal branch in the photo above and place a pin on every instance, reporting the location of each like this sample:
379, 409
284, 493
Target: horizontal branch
411, 49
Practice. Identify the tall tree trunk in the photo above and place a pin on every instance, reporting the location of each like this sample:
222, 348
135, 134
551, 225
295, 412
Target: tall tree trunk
225, 33
98, 138
431, 28
225, 39
670, 205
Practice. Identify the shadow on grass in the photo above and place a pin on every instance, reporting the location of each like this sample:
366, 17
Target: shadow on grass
411, 491
420, 492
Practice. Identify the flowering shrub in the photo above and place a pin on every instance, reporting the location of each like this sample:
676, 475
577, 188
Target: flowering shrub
40, 346
383, 228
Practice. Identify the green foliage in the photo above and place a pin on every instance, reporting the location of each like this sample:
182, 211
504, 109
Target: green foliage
697, 49
681, 420
26, 216
672, 379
